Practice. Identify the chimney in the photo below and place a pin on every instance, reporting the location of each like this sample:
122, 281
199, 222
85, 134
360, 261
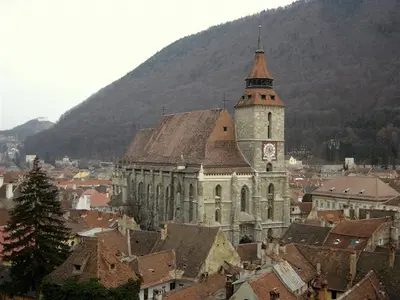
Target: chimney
128, 240
352, 269
228, 287
318, 269
164, 232
9, 191
322, 220
260, 253
392, 256
274, 294
282, 248
367, 215
1, 180
74, 186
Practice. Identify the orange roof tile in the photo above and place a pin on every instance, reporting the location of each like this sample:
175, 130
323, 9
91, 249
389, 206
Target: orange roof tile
97, 199
156, 268
95, 260
267, 282
200, 291
359, 228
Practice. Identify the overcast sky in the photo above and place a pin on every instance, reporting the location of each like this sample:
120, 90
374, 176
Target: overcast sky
54, 53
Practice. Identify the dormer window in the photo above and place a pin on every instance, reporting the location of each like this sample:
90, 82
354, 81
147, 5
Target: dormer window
225, 128
248, 96
347, 190
336, 242
332, 189
272, 97
263, 97
112, 267
77, 268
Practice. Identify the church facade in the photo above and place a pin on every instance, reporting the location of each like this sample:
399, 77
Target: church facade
203, 167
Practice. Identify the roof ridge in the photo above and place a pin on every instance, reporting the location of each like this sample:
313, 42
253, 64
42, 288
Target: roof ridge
193, 111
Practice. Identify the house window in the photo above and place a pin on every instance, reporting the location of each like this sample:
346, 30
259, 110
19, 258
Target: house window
269, 167
172, 286
263, 97
146, 294
334, 294
248, 96
77, 268
225, 128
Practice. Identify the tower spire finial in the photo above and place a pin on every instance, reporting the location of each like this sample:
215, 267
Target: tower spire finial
259, 47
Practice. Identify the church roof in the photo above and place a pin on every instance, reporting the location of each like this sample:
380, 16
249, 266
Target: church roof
192, 138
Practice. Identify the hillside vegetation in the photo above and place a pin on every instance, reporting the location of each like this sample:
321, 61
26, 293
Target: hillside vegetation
335, 63
21, 132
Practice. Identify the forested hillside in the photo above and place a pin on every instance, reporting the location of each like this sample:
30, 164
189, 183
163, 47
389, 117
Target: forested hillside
336, 66
21, 132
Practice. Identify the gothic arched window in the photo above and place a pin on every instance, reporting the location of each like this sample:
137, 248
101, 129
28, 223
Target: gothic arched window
158, 207
269, 125
149, 193
218, 192
218, 215
271, 191
244, 199
140, 192
191, 199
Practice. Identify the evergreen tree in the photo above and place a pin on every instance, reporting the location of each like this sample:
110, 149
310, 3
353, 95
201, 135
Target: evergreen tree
35, 236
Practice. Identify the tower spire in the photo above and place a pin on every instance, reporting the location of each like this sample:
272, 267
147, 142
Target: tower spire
259, 47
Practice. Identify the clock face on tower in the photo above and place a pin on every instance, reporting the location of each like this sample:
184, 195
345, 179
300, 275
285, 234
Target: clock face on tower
269, 151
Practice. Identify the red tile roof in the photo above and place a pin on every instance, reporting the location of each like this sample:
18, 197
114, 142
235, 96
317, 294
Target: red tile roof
97, 199
358, 187
264, 284
201, 291
95, 260
369, 288
155, 268
359, 228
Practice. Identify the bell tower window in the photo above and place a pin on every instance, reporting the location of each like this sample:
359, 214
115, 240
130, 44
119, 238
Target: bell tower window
269, 125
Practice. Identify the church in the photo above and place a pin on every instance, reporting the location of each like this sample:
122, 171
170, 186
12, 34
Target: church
207, 168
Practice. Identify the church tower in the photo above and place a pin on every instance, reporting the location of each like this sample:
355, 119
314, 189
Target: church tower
259, 118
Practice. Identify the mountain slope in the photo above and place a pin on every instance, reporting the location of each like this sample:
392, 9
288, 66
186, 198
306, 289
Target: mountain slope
332, 60
28, 128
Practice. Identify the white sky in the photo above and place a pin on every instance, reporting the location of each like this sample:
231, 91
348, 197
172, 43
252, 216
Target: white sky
55, 53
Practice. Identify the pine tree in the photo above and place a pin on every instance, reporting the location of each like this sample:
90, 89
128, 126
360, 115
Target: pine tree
36, 236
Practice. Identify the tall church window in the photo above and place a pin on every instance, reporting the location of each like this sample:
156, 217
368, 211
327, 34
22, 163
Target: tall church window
218, 215
218, 196
269, 167
149, 194
169, 201
159, 208
178, 201
191, 199
270, 198
140, 192
218, 192
269, 125
244, 199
